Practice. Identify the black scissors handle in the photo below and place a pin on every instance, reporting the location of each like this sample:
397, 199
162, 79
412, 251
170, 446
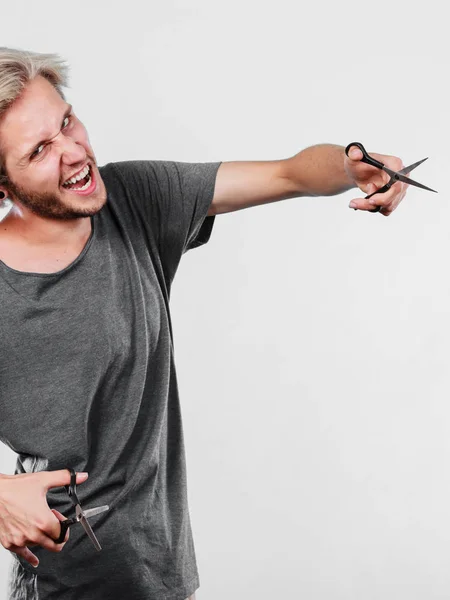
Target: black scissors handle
366, 157
72, 487
64, 527
374, 163
72, 491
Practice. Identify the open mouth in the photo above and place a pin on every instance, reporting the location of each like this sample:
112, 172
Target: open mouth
83, 182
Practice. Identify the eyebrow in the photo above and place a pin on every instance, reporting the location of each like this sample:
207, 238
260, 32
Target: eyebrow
33, 148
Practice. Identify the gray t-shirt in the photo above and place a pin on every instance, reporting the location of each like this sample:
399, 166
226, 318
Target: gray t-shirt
87, 380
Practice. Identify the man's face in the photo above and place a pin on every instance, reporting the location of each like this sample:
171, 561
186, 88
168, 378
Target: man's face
44, 146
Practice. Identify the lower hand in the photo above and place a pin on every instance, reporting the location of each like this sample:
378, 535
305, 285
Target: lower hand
25, 517
369, 179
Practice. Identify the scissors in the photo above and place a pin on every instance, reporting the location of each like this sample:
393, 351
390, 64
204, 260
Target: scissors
80, 514
395, 175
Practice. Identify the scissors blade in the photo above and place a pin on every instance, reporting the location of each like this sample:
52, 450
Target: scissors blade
90, 512
405, 179
407, 170
87, 527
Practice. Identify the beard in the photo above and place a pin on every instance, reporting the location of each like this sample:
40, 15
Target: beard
49, 205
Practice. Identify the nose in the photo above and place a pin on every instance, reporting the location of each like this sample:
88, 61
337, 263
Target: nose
71, 150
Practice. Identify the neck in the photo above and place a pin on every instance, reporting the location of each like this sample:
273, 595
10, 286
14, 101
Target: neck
35, 230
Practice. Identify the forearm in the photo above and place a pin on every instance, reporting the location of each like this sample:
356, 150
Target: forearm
317, 171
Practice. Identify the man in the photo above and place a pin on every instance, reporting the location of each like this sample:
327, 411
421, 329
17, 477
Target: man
87, 377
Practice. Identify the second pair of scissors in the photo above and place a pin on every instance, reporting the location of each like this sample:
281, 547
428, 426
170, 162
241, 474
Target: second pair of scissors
395, 175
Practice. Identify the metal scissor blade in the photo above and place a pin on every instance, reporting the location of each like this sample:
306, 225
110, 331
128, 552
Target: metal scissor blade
405, 179
407, 170
91, 534
87, 527
90, 512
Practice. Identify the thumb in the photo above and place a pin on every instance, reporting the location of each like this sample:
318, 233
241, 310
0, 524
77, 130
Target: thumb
355, 153
62, 477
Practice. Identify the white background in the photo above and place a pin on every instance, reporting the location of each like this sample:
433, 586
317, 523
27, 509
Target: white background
312, 341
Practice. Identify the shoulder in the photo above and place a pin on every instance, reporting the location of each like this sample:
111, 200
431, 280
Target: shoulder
124, 169
126, 177
137, 173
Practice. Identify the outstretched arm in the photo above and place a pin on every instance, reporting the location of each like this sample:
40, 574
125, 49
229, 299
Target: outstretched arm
320, 170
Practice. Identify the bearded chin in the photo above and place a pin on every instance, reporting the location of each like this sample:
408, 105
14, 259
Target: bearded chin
47, 205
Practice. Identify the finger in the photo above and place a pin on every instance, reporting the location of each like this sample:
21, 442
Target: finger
60, 478
61, 518
390, 199
387, 201
26, 554
46, 531
58, 515
371, 203
48, 542
50, 531
362, 204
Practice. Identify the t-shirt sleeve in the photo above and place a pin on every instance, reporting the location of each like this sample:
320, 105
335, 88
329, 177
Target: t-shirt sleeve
174, 198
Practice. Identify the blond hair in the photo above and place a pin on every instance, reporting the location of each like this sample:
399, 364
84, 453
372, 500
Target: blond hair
17, 69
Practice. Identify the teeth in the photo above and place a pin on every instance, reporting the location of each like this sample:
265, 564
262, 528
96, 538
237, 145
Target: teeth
85, 186
80, 175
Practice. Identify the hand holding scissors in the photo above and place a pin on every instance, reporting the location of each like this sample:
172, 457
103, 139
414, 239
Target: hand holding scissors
380, 181
80, 514
26, 519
